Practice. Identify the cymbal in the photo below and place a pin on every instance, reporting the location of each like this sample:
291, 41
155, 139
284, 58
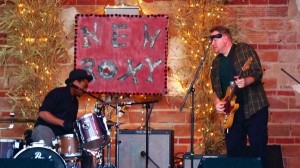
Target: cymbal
17, 120
119, 101
111, 123
138, 99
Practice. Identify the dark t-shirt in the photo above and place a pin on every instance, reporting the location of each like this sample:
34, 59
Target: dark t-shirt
61, 104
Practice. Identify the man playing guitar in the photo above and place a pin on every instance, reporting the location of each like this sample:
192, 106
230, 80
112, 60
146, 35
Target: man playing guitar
237, 67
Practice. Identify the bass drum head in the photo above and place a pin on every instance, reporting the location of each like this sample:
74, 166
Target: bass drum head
42, 153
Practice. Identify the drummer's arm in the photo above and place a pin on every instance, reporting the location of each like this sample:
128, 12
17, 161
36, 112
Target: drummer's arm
50, 118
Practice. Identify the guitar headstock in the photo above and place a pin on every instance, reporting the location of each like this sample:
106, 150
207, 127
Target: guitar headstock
247, 64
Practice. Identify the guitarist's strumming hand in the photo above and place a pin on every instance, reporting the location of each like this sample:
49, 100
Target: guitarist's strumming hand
220, 107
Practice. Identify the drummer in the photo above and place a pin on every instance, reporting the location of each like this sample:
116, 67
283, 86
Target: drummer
59, 109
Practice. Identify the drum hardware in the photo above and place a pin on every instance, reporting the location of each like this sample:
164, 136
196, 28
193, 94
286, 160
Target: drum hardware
97, 98
11, 126
108, 164
10, 147
144, 101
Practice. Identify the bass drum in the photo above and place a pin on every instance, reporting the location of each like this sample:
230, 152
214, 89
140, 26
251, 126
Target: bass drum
42, 153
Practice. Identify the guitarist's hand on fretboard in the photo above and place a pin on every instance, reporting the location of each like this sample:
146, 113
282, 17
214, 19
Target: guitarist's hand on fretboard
243, 82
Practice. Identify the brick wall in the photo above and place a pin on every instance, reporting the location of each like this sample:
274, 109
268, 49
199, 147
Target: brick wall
270, 26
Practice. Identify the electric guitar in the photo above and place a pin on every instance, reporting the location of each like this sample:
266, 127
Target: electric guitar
231, 106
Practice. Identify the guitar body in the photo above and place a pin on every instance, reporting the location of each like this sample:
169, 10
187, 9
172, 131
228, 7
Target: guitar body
230, 108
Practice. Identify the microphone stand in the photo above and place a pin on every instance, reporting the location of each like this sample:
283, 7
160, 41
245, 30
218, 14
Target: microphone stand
143, 153
290, 75
192, 92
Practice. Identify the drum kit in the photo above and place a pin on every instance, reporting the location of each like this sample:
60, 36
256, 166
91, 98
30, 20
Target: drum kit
91, 135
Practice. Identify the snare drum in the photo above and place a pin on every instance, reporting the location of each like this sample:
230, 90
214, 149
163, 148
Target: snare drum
41, 153
92, 131
10, 147
68, 146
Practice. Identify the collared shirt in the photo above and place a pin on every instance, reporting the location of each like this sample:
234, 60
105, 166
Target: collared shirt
62, 105
253, 96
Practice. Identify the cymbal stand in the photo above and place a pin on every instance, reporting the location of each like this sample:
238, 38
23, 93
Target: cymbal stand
117, 136
11, 126
108, 164
99, 156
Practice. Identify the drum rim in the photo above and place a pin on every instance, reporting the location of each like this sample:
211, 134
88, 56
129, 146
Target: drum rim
85, 116
7, 140
44, 147
67, 136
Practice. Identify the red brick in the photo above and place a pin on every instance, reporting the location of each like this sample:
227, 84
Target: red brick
181, 148
258, 2
135, 117
278, 1
272, 24
106, 2
169, 103
149, 1
257, 37
285, 140
68, 2
278, 103
288, 37
237, 2
3, 35
271, 140
5, 114
171, 117
270, 83
4, 104
245, 24
277, 11
255, 46
293, 162
2, 94
285, 117
16, 132
248, 12
271, 93
293, 103
267, 46
86, 2
187, 141
295, 130
268, 56
286, 93
279, 130
182, 130
291, 150
292, 47
2, 41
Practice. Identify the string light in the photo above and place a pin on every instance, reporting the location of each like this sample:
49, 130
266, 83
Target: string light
192, 23
33, 52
